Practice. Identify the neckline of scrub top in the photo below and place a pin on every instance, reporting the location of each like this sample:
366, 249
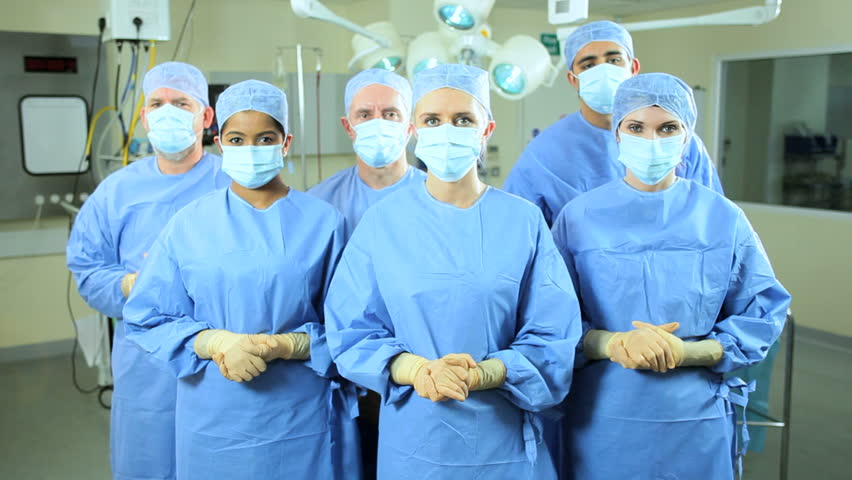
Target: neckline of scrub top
385, 189
670, 188
240, 199
204, 156
425, 191
595, 127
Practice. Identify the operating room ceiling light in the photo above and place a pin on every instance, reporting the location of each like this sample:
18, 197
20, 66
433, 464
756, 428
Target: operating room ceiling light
427, 50
369, 54
462, 15
520, 66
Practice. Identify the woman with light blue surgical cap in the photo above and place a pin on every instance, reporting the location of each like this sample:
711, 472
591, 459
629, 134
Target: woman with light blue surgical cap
230, 297
676, 291
452, 302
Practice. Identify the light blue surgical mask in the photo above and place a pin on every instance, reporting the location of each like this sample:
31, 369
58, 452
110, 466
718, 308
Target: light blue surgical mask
171, 129
598, 85
650, 160
380, 142
449, 152
252, 166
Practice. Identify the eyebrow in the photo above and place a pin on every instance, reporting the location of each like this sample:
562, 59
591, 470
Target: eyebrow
611, 53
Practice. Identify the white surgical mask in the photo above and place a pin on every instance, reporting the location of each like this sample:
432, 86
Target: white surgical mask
380, 142
650, 160
171, 129
449, 152
252, 166
598, 85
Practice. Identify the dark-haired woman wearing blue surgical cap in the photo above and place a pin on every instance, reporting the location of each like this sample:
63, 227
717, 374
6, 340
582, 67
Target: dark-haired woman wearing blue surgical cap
676, 290
452, 303
230, 297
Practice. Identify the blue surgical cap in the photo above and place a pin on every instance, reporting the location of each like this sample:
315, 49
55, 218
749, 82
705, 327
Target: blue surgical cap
377, 76
177, 76
471, 80
600, 31
252, 95
660, 89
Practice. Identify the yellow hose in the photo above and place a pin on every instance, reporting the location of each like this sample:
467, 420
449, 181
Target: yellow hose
92, 124
138, 109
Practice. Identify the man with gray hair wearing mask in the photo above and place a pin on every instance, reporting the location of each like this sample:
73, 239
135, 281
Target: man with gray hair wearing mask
111, 235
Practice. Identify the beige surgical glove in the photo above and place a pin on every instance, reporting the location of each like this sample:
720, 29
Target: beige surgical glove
636, 349
241, 355
287, 346
703, 353
127, 283
486, 375
436, 380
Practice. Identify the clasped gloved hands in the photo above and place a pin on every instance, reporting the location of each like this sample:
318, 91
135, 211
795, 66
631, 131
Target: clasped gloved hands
240, 356
243, 356
647, 347
453, 376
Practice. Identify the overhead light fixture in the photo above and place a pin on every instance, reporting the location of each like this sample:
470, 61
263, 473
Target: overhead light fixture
462, 15
520, 66
369, 54
427, 50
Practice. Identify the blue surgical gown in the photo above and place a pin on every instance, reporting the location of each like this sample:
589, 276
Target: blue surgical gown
688, 255
223, 264
114, 229
572, 156
426, 277
352, 197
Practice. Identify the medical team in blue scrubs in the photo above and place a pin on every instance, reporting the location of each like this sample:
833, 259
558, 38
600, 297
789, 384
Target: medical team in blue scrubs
255, 310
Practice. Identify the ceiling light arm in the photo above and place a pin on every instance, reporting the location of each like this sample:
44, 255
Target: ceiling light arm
317, 11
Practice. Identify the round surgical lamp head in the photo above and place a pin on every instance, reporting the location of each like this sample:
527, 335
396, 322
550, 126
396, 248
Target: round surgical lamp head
427, 50
462, 15
520, 66
369, 54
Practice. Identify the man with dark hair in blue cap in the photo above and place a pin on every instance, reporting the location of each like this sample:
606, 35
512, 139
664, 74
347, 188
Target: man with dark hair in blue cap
111, 236
578, 153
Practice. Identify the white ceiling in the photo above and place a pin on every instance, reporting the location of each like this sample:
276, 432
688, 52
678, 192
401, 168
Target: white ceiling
614, 8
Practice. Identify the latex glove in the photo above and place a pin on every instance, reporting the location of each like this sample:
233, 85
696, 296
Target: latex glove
127, 283
241, 354
287, 346
642, 348
449, 375
437, 380
703, 353
486, 375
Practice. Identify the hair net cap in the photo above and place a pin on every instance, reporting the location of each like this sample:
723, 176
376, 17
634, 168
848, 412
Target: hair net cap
252, 95
600, 31
377, 76
471, 80
177, 76
660, 89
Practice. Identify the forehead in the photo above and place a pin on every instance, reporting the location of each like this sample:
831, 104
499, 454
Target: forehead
599, 49
651, 115
378, 95
249, 121
447, 100
168, 94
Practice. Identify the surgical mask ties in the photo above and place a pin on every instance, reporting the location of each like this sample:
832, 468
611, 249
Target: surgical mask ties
448, 151
171, 129
598, 85
252, 166
380, 142
650, 160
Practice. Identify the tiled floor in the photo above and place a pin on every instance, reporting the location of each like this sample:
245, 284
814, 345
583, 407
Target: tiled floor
49, 431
